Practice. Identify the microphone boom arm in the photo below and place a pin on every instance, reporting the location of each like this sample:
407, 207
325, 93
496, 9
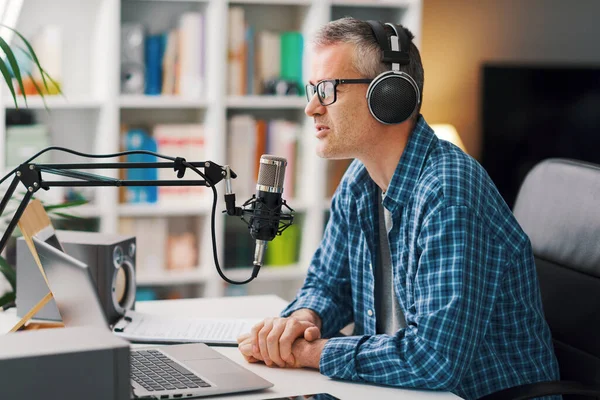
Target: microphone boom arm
30, 175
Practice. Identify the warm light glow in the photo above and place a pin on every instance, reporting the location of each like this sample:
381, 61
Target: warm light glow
448, 132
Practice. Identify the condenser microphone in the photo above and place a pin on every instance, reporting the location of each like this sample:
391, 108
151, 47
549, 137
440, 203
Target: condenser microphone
266, 213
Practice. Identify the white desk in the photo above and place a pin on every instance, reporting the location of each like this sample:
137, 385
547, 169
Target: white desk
288, 382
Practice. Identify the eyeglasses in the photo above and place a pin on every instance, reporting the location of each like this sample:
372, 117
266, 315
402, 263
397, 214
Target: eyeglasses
326, 90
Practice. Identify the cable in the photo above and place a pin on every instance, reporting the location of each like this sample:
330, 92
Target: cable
212, 230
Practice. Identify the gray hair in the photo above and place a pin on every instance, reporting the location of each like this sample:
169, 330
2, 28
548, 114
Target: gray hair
367, 53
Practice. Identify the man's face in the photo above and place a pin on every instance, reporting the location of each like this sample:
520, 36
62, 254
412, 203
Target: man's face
344, 129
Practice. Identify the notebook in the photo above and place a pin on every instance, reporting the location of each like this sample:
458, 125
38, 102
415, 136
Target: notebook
141, 327
164, 372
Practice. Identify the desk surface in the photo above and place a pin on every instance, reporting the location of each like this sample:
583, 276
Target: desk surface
287, 382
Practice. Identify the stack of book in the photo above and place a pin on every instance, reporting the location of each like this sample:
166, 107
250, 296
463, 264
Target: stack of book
249, 138
256, 58
174, 60
175, 140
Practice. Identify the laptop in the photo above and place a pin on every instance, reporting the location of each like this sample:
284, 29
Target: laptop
164, 372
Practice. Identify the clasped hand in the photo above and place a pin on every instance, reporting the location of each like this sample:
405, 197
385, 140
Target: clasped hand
282, 342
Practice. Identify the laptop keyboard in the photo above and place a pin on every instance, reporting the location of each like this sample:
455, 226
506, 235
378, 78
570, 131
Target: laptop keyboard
154, 371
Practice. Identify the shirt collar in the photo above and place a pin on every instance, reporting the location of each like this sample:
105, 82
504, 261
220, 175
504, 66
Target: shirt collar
408, 170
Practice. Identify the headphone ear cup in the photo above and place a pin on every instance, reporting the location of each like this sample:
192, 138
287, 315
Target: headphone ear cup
393, 97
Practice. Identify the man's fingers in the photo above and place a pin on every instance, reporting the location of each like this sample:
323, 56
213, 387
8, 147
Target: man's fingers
273, 341
262, 340
293, 330
246, 349
250, 359
256, 328
312, 333
254, 338
243, 337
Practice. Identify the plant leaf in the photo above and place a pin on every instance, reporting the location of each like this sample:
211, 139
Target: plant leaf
39, 90
7, 298
67, 216
13, 65
56, 84
8, 80
8, 272
44, 73
73, 203
33, 55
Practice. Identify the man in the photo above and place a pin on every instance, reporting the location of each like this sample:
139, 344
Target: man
420, 253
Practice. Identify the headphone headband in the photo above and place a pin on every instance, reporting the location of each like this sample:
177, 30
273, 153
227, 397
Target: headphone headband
389, 56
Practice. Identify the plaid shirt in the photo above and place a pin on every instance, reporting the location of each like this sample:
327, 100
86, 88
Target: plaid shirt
464, 277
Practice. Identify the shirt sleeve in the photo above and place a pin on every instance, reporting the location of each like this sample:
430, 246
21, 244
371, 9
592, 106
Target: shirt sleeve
326, 289
457, 280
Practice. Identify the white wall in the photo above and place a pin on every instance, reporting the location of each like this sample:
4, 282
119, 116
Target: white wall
458, 35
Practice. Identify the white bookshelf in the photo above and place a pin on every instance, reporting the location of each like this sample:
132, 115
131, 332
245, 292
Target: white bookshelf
88, 118
160, 102
54, 102
266, 102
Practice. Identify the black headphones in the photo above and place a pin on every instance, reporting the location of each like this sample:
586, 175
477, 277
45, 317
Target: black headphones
393, 96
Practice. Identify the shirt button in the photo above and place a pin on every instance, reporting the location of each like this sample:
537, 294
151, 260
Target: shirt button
370, 313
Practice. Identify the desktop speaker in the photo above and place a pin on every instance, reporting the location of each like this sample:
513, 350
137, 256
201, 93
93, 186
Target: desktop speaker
133, 69
111, 261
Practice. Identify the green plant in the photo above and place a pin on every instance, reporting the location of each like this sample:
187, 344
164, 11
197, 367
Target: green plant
16, 70
6, 269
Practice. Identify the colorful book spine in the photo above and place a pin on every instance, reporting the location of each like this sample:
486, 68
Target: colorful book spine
153, 54
291, 58
138, 139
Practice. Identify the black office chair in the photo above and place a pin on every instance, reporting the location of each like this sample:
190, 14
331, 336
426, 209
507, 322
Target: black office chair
558, 206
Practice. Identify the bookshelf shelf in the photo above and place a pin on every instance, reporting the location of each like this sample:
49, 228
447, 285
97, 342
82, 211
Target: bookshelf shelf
95, 117
163, 101
167, 278
272, 2
268, 273
85, 211
266, 102
54, 102
375, 3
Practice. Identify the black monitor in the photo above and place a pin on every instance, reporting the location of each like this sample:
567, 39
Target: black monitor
534, 112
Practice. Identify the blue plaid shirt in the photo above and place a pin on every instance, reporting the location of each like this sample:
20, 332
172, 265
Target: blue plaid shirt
463, 271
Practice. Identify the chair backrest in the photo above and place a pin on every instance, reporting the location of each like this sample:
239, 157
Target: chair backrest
558, 206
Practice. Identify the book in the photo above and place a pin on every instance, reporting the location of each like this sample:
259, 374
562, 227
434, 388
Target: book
23, 141
180, 140
190, 57
241, 154
182, 244
236, 51
150, 235
170, 62
139, 139
282, 141
268, 58
284, 250
291, 58
154, 46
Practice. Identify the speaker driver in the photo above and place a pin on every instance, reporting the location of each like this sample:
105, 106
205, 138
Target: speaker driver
123, 287
393, 98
